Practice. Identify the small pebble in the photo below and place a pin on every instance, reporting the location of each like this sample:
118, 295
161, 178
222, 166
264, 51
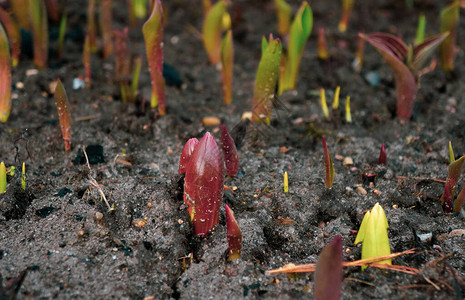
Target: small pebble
140, 222
247, 115
377, 192
80, 233
395, 206
31, 72
361, 190
211, 121
98, 216
348, 161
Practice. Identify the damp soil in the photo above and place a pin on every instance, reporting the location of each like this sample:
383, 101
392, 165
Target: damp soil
61, 231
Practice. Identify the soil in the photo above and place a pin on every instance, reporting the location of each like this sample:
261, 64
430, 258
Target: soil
73, 246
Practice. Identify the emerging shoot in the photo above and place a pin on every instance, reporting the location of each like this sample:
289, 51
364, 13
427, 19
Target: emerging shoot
231, 156
328, 273
227, 64
38, 15
329, 166
86, 60
382, 155
23, 177
14, 35
454, 171
458, 204
61, 34
347, 6
322, 48
234, 234
61, 101
373, 234
286, 182
283, 12
91, 28
335, 105
153, 36
358, 60
2, 178
324, 105
449, 23
5, 76
451, 153
211, 31
420, 36
347, 109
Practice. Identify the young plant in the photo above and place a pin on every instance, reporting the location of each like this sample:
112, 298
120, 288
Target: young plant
382, 155
458, 204
234, 235
347, 6
153, 36
5, 75
335, 105
406, 63
265, 81
283, 12
135, 78
451, 153
203, 187
86, 60
286, 182
322, 48
123, 61
211, 31
347, 109
324, 105
227, 64
23, 177
373, 234
61, 34
14, 35
454, 171
91, 28
299, 32
328, 273
106, 31
38, 15
231, 156
420, 36
358, 60
329, 166
449, 23
61, 101
2, 178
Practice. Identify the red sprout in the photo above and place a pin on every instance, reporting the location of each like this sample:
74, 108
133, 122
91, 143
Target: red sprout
234, 234
382, 155
186, 154
328, 273
231, 156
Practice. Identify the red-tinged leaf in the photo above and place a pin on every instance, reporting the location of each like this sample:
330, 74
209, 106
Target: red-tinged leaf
186, 154
382, 155
61, 101
322, 48
86, 60
211, 31
5, 77
52, 10
122, 55
153, 36
106, 31
38, 14
234, 234
423, 51
459, 201
231, 156
21, 12
227, 64
328, 273
447, 199
449, 21
394, 52
329, 166
454, 171
347, 6
203, 187
14, 35
91, 28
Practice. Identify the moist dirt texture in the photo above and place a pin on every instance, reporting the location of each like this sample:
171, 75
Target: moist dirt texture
70, 245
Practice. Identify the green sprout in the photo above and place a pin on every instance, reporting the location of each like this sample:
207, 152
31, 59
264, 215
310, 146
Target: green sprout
211, 31
347, 108
283, 12
324, 105
329, 166
335, 105
2, 178
5, 76
23, 177
61, 34
373, 234
449, 23
420, 36
227, 64
38, 14
14, 35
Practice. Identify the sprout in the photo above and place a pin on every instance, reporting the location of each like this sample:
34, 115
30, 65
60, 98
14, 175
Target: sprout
420, 36
106, 32
322, 48
203, 187
2, 178
153, 36
211, 32
324, 105
61, 101
231, 156
449, 23
227, 64
234, 235
14, 35
335, 105
38, 15
135, 78
286, 182
454, 171
91, 31
86, 60
23, 177
451, 153
265, 82
329, 166
283, 12
5, 76
347, 6
328, 273
300, 31
358, 60
61, 35
347, 108
382, 155
373, 234
406, 63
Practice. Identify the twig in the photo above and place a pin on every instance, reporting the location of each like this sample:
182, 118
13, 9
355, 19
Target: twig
87, 118
421, 178
94, 183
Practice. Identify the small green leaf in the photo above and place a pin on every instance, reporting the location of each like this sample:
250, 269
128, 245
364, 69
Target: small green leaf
449, 21
211, 31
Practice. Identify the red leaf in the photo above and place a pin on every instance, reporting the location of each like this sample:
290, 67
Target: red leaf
203, 187
186, 154
447, 199
423, 51
329, 167
382, 155
231, 156
328, 274
234, 234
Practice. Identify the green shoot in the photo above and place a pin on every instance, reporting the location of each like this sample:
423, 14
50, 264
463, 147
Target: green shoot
5, 76
38, 14
347, 108
286, 182
283, 12
322, 48
335, 105
23, 177
324, 105
227, 63
2, 178
61, 101
91, 27
451, 153
449, 23
14, 35
61, 34
211, 31
265, 82
347, 6
135, 78
329, 166
420, 36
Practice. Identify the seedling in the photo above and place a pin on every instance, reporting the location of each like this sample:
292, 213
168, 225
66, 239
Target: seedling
329, 166
86, 60
5, 76
231, 156
123, 61
324, 105
373, 234
454, 171
139, 7
451, 153
211, 31
420, 36
458, 204
358, 61
234, 235
335, 105
286, 182
203, 187
227, 64
14, 35
347, 109
265, 82
382, 155
406, 63
2, 178
61, 34
38, 14
449, 22
91, 28
347, 6
322, 48
153, 36
283, 12
328, 273
23, 177
135, 78
61, 101
106, 31
299, 32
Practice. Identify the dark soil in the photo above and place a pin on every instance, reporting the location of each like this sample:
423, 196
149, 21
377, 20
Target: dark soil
62, 232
